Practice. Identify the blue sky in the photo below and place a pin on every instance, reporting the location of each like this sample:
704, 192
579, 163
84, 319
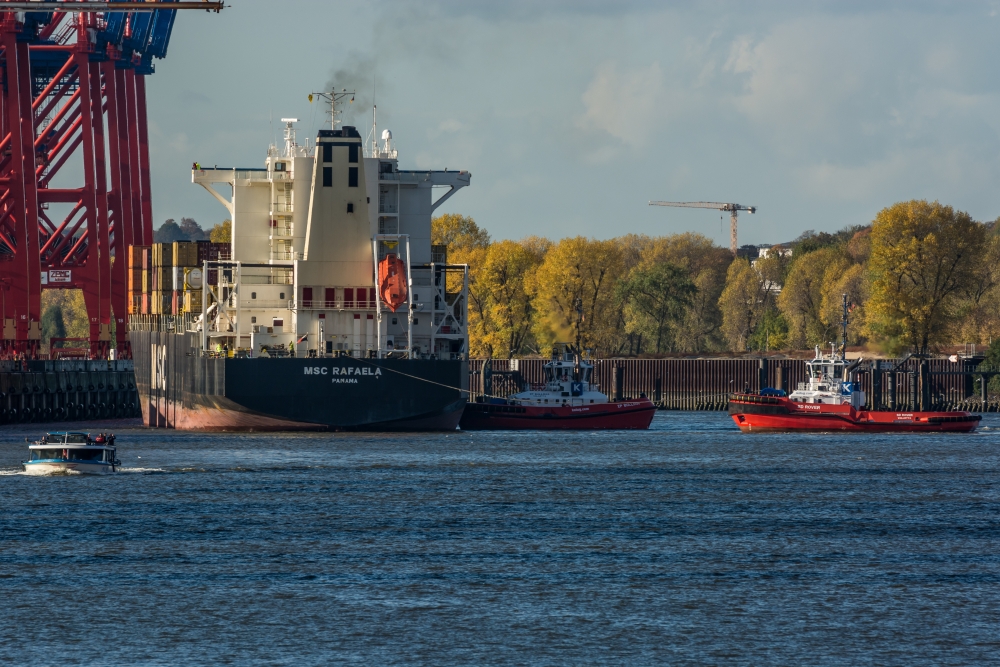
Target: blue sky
572, 115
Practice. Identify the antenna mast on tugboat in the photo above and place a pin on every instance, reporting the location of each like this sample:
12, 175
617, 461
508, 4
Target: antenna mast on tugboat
843, 349
333, 97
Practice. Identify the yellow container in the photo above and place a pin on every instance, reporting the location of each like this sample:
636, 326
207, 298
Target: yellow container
185, 253
192, 301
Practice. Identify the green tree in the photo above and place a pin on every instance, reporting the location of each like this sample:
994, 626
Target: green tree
169, 232
699, 329
192, 230
656, 299
221, 233
924, 258
771, 332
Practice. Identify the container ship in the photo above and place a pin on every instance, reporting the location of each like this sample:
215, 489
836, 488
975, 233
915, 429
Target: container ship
328, 310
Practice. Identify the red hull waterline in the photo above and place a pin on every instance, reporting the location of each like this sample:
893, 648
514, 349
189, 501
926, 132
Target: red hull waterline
761, 414
622, 415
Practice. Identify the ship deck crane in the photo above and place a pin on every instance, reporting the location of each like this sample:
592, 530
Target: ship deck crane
733, 209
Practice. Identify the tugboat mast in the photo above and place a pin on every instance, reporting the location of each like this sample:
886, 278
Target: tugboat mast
843, 348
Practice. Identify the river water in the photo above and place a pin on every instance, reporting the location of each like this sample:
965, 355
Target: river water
687, 544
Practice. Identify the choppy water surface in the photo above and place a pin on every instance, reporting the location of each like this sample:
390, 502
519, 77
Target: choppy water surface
690, 543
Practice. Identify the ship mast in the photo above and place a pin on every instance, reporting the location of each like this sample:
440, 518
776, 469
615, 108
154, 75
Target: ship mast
843, 348
334, 96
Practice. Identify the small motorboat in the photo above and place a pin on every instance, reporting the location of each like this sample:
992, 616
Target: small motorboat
71, 452
567, 401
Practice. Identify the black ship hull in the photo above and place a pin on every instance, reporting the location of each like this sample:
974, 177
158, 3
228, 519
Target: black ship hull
178, 388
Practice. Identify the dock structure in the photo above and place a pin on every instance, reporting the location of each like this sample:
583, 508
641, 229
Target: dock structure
706, 383
66, 390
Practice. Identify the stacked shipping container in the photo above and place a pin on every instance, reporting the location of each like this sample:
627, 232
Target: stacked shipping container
166, 278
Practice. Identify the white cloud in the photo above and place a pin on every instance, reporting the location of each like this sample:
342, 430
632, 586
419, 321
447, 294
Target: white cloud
629, 105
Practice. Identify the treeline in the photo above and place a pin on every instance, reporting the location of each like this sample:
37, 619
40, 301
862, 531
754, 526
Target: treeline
189, 230
920, 276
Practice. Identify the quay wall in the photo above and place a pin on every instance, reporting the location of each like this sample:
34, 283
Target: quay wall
66, 390
705, 384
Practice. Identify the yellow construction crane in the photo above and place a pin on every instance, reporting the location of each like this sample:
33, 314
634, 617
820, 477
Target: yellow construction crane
732, 208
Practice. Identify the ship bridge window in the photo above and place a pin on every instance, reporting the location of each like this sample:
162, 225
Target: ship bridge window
352, 152
327, 153
352, 177
279, 166
350, 207
327, 177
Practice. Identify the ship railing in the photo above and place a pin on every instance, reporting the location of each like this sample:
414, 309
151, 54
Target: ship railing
250, 174
281, 207
277, 254
283, 277
388, 208
338, 304
281, 176
388, 177
268, 304
281, 230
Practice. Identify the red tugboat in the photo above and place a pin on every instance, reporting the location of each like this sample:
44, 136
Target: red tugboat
829, 402
567, 401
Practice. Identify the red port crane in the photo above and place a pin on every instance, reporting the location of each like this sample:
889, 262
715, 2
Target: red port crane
718, 206
73, 95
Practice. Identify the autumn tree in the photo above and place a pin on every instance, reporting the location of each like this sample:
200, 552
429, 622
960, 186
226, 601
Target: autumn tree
801, 298
924, 258
574, 294
64, 315
747, 298
221, 233
980, 309
500, 303
459, 232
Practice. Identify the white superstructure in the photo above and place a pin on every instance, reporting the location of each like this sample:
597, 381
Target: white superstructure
309, 229
827, 383
568, 381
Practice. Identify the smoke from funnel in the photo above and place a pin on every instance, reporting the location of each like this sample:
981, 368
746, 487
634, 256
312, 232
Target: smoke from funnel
357, 74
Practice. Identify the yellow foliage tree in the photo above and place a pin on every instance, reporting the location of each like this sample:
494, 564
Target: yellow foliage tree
746, 298
574, 294
500, 304
802, 295
64, 315
221, 233
924, 259
459, 232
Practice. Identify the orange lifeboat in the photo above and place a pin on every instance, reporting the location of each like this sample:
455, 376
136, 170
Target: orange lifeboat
392, 281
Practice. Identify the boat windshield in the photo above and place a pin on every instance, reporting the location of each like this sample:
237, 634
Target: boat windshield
46, 454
